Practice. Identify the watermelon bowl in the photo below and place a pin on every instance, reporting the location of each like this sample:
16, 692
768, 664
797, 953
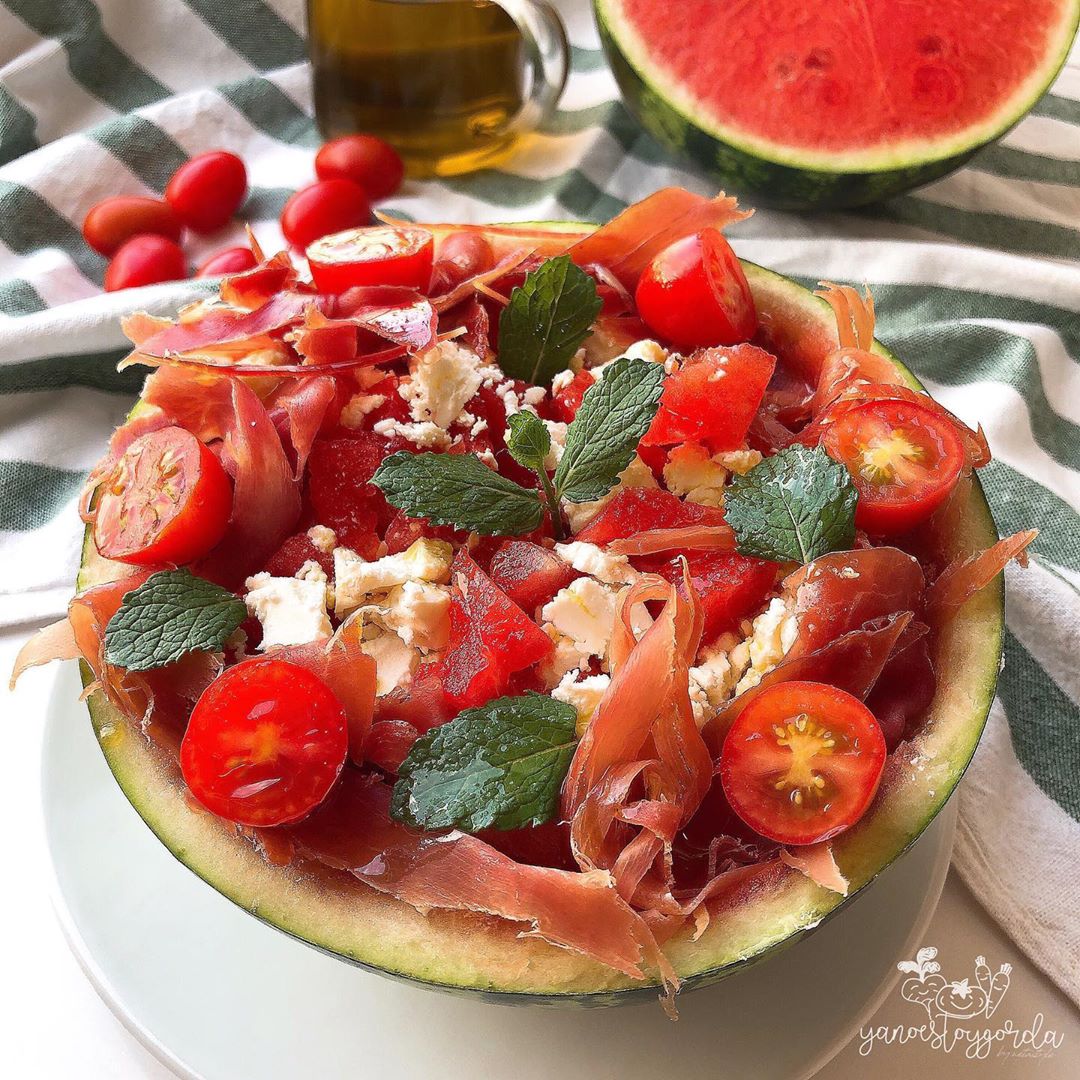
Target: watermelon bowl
470, 954
801, 104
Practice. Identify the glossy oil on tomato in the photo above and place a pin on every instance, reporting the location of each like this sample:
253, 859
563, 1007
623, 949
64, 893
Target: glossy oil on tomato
114, 221
802, 762
206, 191
323, 208
365, 160
265, 743
695, 293
234, 260
376, 255
145, 260
903, 458
166, 502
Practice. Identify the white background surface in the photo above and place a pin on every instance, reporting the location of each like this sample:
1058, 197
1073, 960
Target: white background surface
53, 1025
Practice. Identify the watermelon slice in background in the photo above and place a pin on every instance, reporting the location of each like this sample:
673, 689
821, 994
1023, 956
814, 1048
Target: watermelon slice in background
799, 104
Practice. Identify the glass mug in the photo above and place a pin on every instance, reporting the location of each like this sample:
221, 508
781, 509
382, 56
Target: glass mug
451, 84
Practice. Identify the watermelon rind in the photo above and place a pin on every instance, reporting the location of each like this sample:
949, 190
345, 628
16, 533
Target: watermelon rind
470, 954
769, 174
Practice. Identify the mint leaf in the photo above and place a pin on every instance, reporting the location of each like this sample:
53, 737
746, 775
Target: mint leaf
614, 416
529, 441
546, 321
500, 766
793, 507
458, 490
169, 615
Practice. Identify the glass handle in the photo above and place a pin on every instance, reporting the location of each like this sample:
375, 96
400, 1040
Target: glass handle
547, 57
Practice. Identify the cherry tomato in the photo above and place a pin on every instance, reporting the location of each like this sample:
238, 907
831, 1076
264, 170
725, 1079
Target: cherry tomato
206, 191
365, 160
265, 743
114, 221
145, 260
376, 255
460, 256
234, 260
802, 762
166, 502
328, 206
903, 458
695, 293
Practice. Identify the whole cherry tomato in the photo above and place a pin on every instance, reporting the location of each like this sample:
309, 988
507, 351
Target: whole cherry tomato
166, 502
376, 255
265, 743
904, 460
114, 221
459, 256
365, 160
802, 762
322, 208
145, 260
234, 260
695, 293
206, 191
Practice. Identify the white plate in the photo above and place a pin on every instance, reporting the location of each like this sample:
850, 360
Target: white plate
218, 995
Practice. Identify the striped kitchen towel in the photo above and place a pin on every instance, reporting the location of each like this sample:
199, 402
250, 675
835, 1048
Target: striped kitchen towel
976, 277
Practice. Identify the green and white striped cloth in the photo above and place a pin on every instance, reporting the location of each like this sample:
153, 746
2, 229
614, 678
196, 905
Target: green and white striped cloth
976, 277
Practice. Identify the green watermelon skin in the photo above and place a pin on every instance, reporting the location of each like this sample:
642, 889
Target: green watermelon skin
773, 184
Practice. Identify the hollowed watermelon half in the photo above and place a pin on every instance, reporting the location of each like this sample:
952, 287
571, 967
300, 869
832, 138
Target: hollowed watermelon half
472, 954
832, 103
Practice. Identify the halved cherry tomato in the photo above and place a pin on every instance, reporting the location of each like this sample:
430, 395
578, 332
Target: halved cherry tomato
166, 502
114, 221
145, 260
320, 209
265, 743
904, 459
802, 762
234, 260
695, 293
206, 191
376, 255
365, 160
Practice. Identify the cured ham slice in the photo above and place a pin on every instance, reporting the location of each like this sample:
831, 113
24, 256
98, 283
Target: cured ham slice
303, 404
253, 288
683, 538
353, 832
961, 580
818, 863
630, 241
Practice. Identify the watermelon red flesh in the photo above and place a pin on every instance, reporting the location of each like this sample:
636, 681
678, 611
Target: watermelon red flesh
837, 77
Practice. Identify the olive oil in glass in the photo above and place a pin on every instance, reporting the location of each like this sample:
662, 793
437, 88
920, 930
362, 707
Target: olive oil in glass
443, 81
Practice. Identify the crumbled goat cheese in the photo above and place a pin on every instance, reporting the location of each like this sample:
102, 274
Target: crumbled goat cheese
292, 611
441, 380
425, 433
589, 559
322, 538
636, 475
355, 579
583, 694
557, 432
354, 413
395, 661
773, 633
712, 681
562, 380
647, 349
738, 461
691, 473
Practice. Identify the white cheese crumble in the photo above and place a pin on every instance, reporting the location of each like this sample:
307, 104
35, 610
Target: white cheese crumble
441, 380
589, 559
692, 474
562, 380
738, 461
292, 611
583, 694
356, 409
395, 661
557, 432
647, 349
419, 613
713, 679
355, 579
425, 433
636, 475
773, 633
322, 538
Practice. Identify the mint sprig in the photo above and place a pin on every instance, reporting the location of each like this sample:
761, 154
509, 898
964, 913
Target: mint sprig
613, 417
499, 766
547, 319
529, 443
169, 615
458, 490
795, 506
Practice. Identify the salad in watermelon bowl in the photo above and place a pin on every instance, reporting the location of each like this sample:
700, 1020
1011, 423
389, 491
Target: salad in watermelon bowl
555, 612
